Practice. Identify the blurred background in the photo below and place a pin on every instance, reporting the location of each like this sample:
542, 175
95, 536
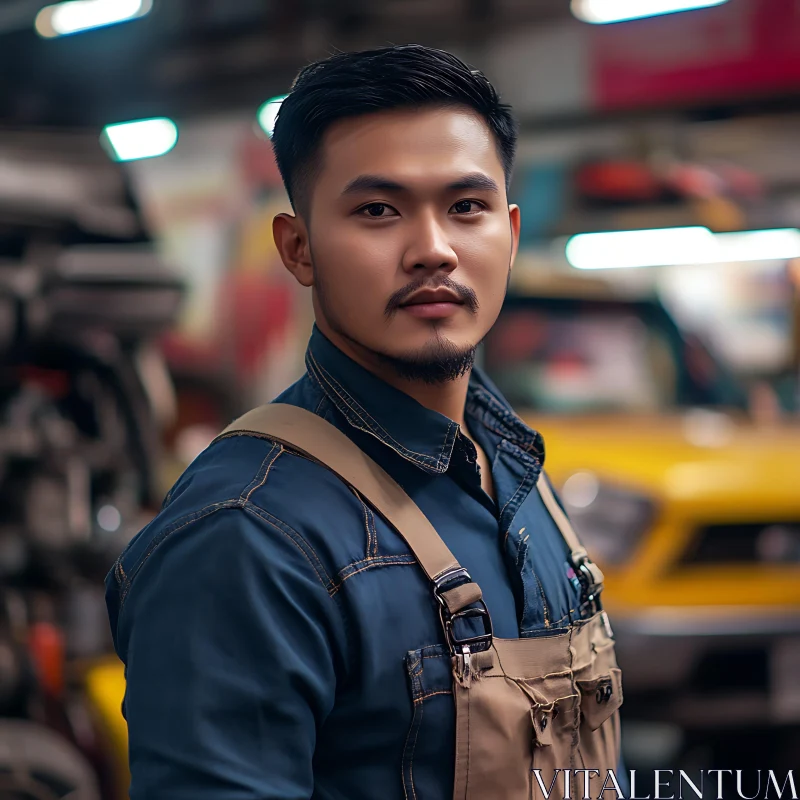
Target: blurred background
652, 330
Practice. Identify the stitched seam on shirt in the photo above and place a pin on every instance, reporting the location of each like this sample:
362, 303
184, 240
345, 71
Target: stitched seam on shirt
524, 546
523, 549
513, 496
166, 533
376, 561
563, 619
367, 514
433, 694
374, 552
544, 600
530, 473
374, 427
449, 441
414, 724
262, 472
301, 544
369, 529
266, 475
374, 564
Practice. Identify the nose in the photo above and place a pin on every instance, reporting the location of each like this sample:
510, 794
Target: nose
429, 247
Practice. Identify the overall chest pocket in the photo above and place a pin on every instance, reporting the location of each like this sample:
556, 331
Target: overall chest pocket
600, 698
429, 748
599, 684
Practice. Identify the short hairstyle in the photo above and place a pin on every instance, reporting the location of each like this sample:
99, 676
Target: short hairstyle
353, 84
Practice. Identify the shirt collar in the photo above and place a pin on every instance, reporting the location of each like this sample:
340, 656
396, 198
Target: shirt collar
419, 434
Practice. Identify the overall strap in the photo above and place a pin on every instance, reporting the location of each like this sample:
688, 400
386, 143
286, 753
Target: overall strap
318, 440
589, 573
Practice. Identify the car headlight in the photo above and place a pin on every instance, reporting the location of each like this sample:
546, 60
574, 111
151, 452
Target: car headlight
608, 519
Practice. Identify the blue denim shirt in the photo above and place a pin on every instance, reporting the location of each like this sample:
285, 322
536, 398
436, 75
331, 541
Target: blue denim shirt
280, 640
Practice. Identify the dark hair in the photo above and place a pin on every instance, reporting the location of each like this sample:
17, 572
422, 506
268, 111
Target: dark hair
352, 84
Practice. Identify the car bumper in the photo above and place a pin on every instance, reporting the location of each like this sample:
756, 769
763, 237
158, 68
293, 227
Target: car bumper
710, 667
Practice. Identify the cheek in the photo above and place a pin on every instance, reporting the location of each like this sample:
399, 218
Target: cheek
485, 257
355, 265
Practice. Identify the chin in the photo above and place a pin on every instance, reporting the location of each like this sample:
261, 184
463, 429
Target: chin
420, 333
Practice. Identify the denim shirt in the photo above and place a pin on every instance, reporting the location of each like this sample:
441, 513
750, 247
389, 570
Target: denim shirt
280, 640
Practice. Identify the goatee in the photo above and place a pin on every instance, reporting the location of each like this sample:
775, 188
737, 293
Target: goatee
443, 362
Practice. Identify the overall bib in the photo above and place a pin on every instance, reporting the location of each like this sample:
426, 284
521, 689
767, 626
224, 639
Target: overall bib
535, 717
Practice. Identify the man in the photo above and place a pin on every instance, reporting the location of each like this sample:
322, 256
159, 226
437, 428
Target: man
279, 637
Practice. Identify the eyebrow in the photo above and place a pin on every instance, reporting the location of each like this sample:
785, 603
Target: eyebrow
379, 183
475, 180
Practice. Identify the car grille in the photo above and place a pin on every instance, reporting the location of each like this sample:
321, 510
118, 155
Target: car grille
739, 543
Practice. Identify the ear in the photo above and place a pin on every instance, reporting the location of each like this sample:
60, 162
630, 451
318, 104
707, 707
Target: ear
515, 219
291, 239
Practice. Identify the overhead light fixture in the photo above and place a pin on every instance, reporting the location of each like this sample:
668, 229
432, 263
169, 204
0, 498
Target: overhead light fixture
680, 246
143, 138
602, 12
76, 16
268, 114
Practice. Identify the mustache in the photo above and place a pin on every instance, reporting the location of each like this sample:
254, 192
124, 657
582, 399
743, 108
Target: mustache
464, 293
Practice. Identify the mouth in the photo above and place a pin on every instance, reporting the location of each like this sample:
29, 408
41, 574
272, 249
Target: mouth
433, 304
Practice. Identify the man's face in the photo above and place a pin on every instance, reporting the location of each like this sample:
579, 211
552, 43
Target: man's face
410, 235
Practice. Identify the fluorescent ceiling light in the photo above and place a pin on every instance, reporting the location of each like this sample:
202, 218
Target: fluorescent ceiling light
601, 12
679, 246
268, 113
75, 16
144, 138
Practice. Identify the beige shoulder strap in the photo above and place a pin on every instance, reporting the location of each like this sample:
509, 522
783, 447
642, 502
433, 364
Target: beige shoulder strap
561, 519
320, 441
580, 557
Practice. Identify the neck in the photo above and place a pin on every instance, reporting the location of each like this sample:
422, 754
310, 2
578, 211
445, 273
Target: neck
449, 398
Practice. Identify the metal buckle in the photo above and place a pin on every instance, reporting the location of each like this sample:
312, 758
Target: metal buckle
476, 644
590, 589
446, 577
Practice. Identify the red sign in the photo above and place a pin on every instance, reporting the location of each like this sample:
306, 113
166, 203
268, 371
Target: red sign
744, 48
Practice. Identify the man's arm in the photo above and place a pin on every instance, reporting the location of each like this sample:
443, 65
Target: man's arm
232, 645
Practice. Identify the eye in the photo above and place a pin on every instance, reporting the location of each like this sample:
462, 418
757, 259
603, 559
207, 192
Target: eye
377, 211
467, 207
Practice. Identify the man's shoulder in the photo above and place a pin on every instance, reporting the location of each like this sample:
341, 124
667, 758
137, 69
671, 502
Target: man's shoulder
257, 479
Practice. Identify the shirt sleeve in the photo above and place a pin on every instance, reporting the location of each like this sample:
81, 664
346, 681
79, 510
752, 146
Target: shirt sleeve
232, 645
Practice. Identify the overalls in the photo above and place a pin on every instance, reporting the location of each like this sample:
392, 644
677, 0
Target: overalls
529, 712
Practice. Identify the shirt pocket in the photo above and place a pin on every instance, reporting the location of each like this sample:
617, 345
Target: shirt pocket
429, 751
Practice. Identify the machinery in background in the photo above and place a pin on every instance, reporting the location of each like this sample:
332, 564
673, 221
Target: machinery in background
83, 396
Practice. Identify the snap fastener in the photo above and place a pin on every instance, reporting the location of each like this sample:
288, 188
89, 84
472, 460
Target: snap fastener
603, 694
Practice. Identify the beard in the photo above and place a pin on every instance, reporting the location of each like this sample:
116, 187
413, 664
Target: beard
439, 362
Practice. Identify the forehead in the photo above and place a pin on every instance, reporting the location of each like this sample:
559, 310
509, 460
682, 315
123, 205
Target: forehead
412, 146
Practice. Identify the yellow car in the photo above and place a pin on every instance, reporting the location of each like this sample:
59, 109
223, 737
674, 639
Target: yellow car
691, 508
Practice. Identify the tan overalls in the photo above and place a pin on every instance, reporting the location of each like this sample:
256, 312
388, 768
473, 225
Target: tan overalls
527, 710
